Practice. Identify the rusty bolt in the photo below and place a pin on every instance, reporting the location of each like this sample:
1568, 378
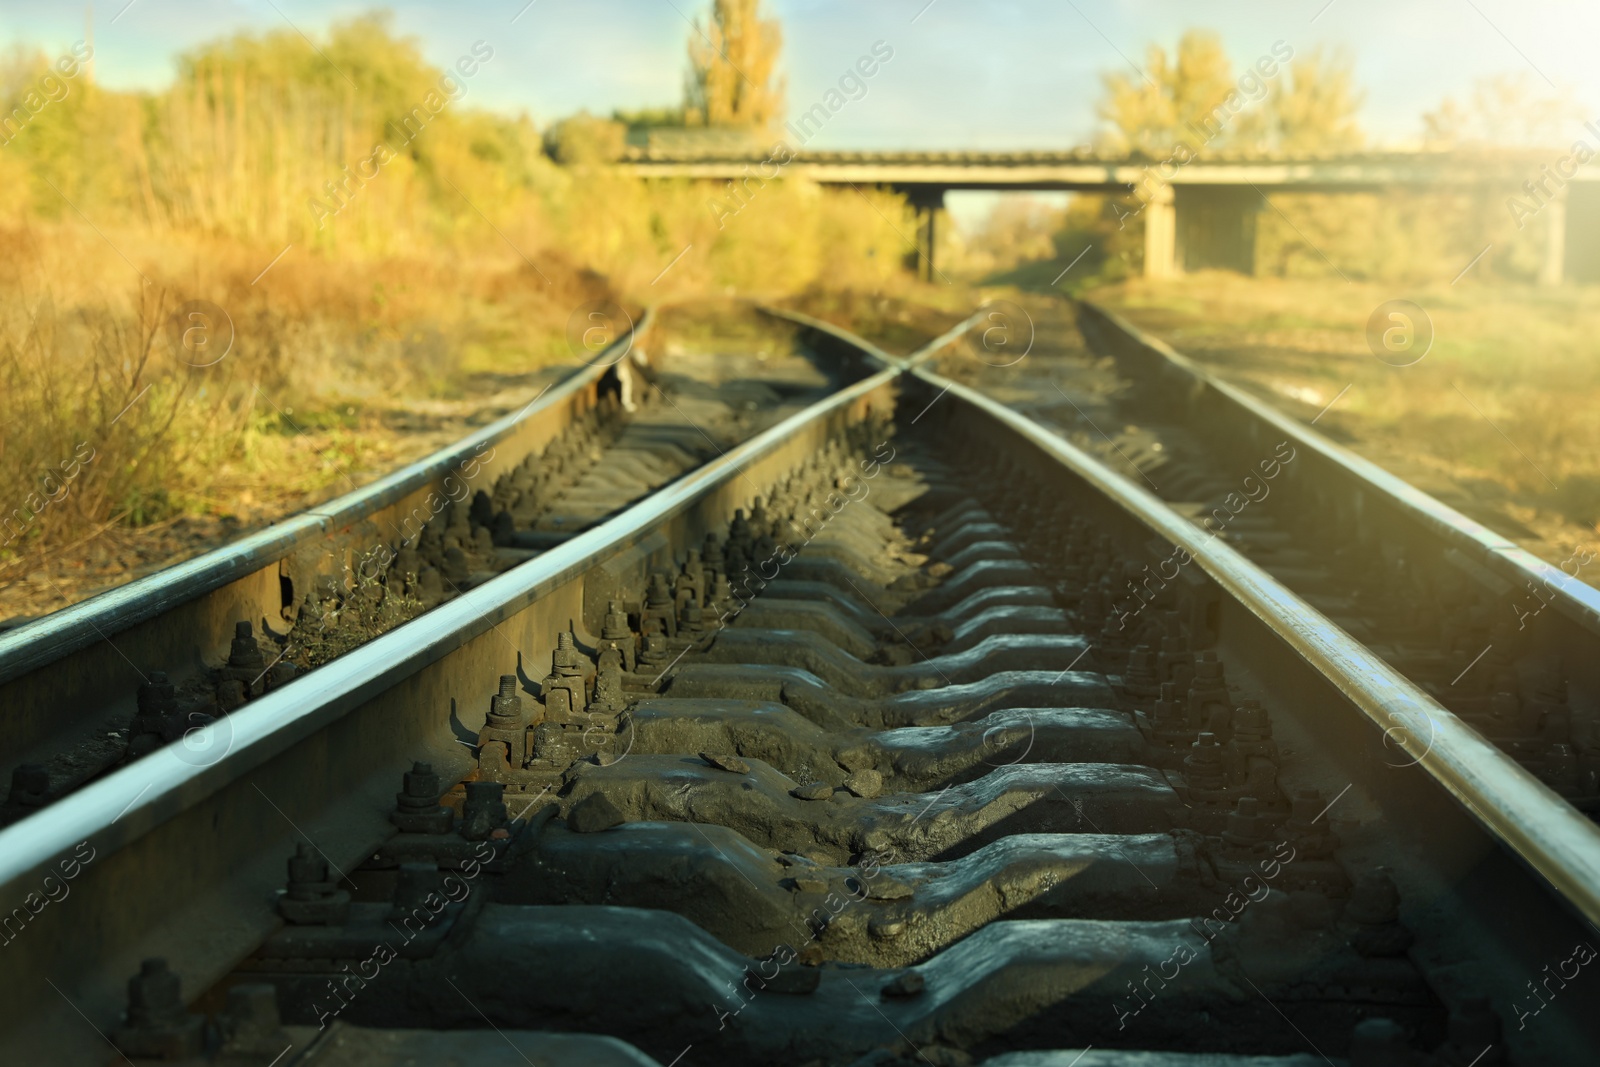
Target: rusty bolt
1246, 827
159, 1027
417, 807
311, 897
154, 995
484, 811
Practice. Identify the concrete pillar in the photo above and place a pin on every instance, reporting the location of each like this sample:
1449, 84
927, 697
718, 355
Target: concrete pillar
1583, 233
1160, 233
928, 204
1552, 270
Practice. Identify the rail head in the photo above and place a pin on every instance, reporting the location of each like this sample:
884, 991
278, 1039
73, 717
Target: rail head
1516, 808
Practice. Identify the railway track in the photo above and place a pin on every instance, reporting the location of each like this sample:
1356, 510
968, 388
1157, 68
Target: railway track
1498, 636
818, 755
110, 679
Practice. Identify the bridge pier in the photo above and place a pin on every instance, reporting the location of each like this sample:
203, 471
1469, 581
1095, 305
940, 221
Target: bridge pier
1160, 233
1551, 269
1582, 236
1209, 224
928, 204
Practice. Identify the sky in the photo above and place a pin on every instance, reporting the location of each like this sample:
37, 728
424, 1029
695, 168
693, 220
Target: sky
965, 74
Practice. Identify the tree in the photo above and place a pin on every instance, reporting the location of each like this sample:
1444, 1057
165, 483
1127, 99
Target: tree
1196, 101
585, 140
1196, 98
1503, 111
1154, 112
731, 68
648, 118
1313, 107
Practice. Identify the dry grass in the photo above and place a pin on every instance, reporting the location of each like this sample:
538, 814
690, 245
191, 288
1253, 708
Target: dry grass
1501, 417
117, 453
417, 281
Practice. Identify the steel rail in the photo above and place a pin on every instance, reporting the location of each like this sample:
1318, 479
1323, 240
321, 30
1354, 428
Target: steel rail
270, 723
318, 758
90, 656
847, 339
277, 719
1534, 821
330, 745
104, 615
833, 334
1182, 377
1530, 818
44, 640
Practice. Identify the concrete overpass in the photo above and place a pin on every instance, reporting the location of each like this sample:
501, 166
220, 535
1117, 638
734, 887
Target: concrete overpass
1196, 214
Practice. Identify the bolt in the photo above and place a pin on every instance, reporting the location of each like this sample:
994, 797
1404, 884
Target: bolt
417, 807
311, 898
1312, 839
565, 660
245, 651
505, 707
158, 1026
484, 811
1303, 808
421, 782
1142, 668
616, 625
308, 873
1170, 717
158, 696
1176, 661
1246, 827
1374, 909
154, 995
1203, 767
1251, 722
711, 554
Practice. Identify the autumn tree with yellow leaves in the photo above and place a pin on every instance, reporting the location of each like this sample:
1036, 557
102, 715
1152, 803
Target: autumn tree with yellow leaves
733, 60
1305, 102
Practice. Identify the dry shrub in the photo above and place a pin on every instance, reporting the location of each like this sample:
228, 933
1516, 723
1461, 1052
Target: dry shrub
464, 254
101, 371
